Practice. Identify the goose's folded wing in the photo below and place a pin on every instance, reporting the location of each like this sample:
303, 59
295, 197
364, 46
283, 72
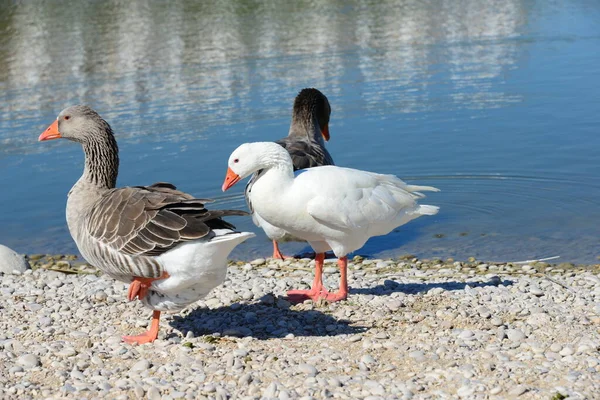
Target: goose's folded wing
364, 206
150, 220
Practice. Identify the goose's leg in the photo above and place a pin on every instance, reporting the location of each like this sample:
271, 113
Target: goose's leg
277, 253
317, 290
139, 286
341, 294
150, 335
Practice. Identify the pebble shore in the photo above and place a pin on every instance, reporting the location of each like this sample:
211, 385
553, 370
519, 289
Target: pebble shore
410, 329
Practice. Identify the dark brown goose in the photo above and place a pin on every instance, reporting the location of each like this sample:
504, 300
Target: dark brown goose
163, 241
305, 143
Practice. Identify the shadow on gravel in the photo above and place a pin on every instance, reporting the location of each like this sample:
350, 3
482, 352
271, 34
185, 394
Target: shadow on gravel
262, 321
390, 286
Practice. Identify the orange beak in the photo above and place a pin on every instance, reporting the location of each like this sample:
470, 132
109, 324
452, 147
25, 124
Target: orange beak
325, 132
230, 179
50, 133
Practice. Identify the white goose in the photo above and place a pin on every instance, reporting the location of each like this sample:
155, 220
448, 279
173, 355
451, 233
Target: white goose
163, 241
333, 208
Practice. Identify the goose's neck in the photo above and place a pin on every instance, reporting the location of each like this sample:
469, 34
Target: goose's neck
306, 126
283, 173
279, 163
277, 173
101, 161
270, 186
99, 175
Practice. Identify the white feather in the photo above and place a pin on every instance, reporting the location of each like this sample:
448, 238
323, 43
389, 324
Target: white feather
194, 268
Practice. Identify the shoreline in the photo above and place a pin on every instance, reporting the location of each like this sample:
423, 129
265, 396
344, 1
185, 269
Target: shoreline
409, 329
66, 262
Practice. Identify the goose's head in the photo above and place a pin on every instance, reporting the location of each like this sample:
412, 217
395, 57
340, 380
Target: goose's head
251, 157
77, 123
310, 106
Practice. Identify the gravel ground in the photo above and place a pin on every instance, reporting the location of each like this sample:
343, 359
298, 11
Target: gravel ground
410, 329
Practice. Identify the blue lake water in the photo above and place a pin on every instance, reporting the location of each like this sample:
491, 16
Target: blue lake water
495, 103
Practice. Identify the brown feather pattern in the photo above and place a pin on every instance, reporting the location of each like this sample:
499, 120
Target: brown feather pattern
132, 225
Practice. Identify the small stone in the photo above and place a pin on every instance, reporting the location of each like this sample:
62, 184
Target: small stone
240, 352
122, 384
245, 379
28, 361
515, 335
97, 361
76, 374
335, 382
250, 317
205, 346
213, 303
381, 335
394, 304
367, 359
555, 347
536, 291
239, 331
484, 312
258, 261
417, 355
141, 365
308, 369
496, 390
496, 321
15, 369
283, 304
100, 296
271, 390
153, 393
7, 291
566, 351
210, 388
517, 390
374, 387
12, 262
466, 334
56, 283
465, 391
139, 392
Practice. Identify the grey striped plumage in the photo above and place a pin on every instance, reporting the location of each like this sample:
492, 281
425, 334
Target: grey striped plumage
128, 227
124, 231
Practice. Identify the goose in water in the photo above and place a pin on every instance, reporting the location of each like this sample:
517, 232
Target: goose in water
305, 143
164, 242
332, 208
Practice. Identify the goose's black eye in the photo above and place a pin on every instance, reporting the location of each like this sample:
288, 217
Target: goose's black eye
237, 160
67, 117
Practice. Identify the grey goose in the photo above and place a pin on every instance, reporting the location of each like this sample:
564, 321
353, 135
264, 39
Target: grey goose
164, 242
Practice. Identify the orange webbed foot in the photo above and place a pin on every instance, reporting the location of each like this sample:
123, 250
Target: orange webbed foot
299, 296
148, 336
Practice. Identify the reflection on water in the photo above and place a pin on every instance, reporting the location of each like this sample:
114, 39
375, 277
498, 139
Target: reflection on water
448, 88
139, 58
